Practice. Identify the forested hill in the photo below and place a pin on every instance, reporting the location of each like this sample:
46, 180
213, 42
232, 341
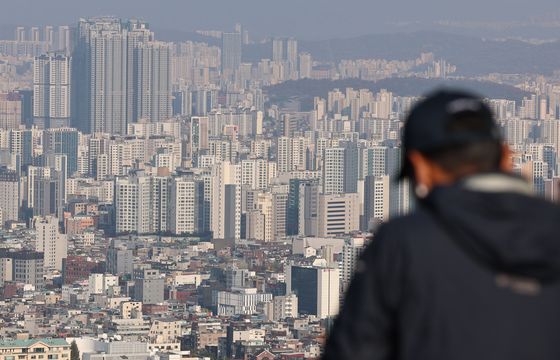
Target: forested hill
305, 90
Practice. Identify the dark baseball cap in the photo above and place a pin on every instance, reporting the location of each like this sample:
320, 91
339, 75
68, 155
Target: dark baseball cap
430, 126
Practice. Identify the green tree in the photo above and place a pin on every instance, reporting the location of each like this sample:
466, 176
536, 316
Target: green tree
74, 352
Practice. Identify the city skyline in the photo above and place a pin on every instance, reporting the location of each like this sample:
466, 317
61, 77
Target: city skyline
209, 196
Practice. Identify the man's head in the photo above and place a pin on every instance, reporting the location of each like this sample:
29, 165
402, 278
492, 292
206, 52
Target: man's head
449, 135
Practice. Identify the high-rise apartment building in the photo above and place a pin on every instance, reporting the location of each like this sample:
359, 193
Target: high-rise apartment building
63, 43
256, 174
308, 205
340, 169
141, 204
51, 90
120, 75
199, 134
292, 153
34, 34
49, 36
225, 214
231, 53
50, 241
153, 78
278, 50
10, 110
20, 34
268, 221
186, 208
351, 251
292, 57
305, 65
99, 76
377, 191
9, 195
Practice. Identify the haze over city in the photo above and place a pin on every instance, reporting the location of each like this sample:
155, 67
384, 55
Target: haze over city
310, 19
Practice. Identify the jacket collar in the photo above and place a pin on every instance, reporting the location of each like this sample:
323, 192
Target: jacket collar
497, 183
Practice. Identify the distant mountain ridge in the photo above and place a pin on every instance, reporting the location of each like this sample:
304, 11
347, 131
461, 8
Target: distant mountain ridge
472, 55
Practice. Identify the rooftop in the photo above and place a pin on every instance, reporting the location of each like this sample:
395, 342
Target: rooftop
30, 342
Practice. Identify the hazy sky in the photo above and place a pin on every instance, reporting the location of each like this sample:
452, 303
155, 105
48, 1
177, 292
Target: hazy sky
302, 18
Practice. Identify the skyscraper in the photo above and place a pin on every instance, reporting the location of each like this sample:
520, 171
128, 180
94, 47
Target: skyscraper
51, 90
63, 43
34, 34
20, 33
49, 36
292, 50
231, 53
153, 78
292, 57
120, 75
278, 50
100, 76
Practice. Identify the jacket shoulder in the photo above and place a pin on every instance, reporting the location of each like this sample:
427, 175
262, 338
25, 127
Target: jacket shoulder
411, 223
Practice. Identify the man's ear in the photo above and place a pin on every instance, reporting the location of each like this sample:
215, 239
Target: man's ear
421, 168
506, 161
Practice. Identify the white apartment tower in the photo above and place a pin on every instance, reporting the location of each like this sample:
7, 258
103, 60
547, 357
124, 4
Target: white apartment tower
305, 65
141, 204
63, 43
186, 196
225, 217
50, 242
333, 170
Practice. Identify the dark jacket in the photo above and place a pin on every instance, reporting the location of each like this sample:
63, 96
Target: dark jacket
473, 273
